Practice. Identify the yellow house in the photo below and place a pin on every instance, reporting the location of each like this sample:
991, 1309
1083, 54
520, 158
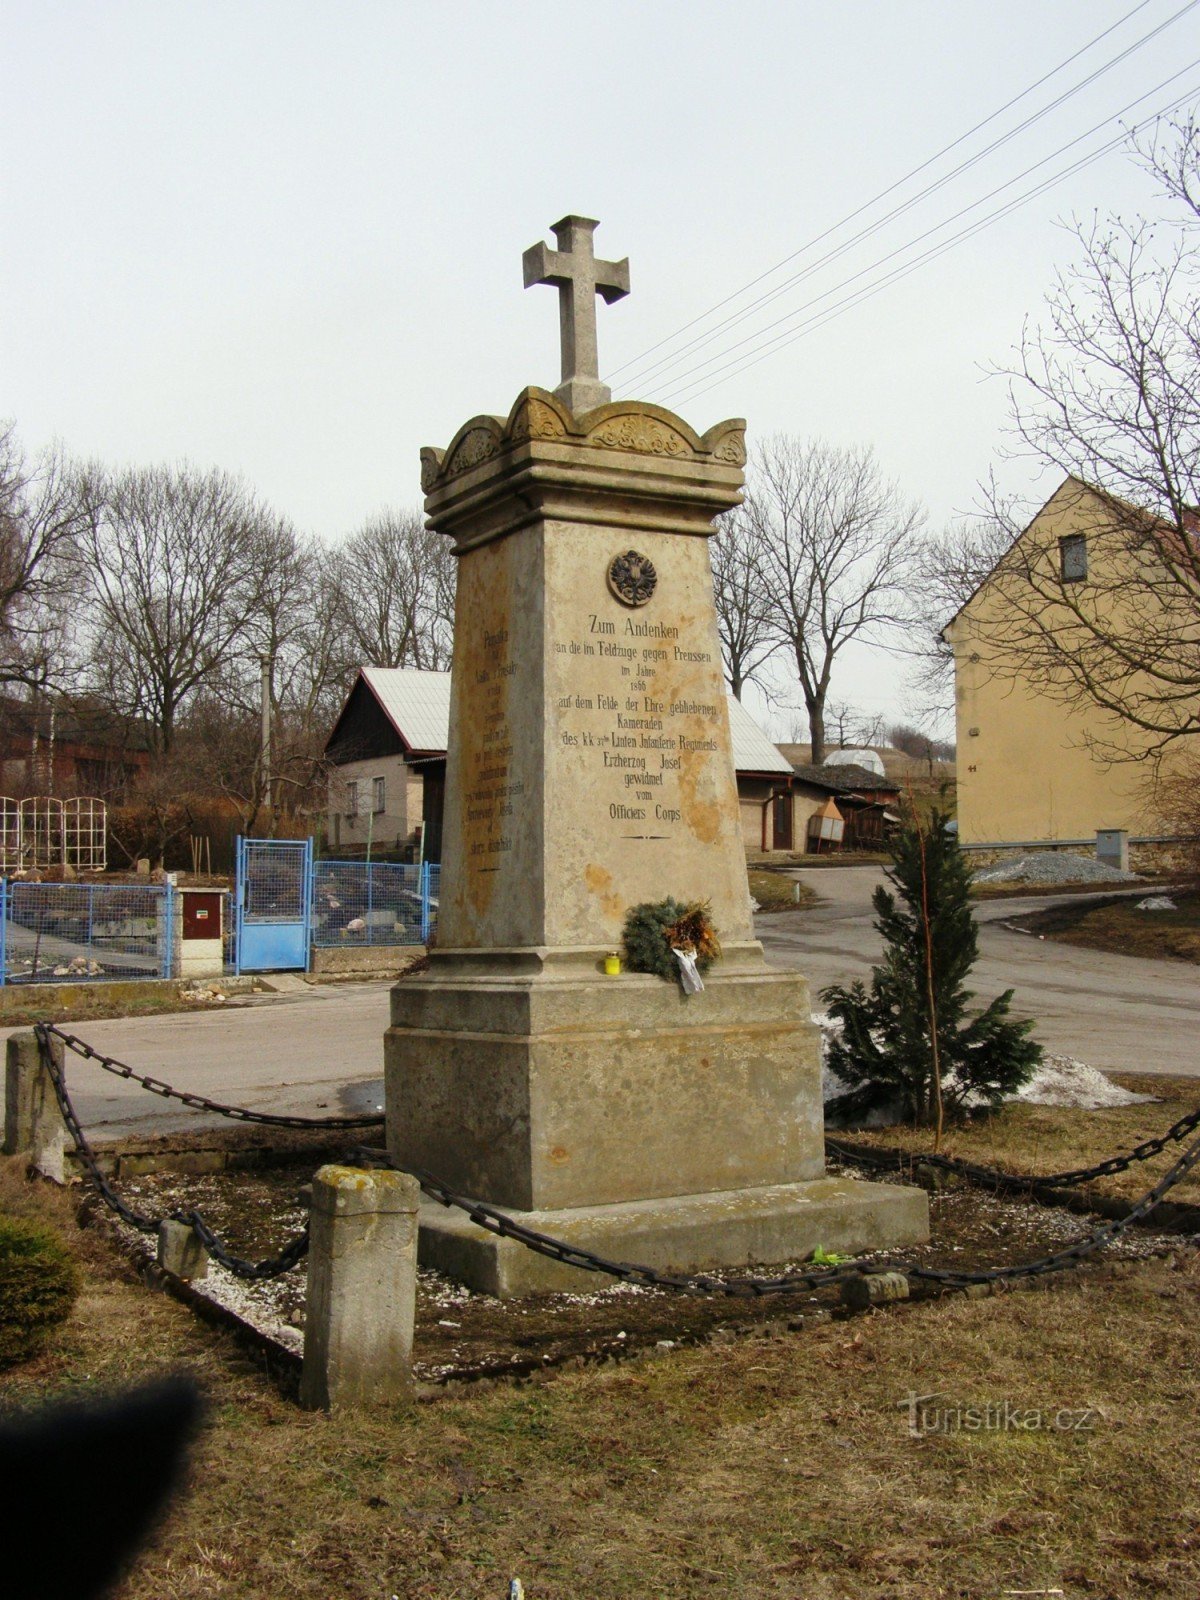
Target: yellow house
1035, 751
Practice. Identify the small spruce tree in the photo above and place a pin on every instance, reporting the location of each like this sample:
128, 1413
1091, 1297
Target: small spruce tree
885, 1051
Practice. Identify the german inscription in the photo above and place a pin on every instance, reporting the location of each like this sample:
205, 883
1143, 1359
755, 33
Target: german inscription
638, 734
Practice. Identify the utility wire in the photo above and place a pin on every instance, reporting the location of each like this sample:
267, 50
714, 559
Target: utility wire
938, 227
671, 357
664, 364
708, 381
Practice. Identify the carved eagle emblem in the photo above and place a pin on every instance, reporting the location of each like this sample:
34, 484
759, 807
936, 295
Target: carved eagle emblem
632, 578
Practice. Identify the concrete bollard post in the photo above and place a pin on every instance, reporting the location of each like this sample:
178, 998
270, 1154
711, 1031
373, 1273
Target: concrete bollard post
33, 1124
874, 1289
362, 1289
179, 1250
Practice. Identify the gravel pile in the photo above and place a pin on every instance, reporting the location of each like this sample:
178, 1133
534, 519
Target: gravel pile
1053, 867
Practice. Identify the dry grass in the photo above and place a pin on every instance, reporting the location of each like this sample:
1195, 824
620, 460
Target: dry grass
774, 891
766, 1467
1044, 1139
1118, 926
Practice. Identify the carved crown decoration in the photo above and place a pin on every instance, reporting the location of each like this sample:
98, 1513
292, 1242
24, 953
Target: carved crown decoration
629, 425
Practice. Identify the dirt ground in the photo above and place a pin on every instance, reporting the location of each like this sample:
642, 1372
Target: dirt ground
460, 1334
1117, 925
781, 1464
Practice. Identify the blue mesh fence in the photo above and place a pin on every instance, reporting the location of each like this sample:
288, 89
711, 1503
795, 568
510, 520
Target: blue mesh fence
84, 932
372, 903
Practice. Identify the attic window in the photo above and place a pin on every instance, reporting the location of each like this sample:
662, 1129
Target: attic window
1072, 555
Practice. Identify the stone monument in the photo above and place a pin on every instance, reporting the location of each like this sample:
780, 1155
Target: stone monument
590, 769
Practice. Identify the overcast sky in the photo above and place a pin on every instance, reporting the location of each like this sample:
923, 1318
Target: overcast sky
285, 238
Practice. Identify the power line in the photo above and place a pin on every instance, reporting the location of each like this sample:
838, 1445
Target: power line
637, 361
666, 363
705, 383
936, 227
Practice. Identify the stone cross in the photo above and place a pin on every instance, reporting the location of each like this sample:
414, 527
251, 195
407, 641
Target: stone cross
579, 278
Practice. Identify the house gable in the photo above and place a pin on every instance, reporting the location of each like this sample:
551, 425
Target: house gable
363, 731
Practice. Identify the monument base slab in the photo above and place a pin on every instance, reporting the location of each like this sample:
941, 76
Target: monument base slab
736, 1230
557, 1089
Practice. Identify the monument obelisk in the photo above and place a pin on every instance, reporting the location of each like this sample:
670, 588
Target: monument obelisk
590, 769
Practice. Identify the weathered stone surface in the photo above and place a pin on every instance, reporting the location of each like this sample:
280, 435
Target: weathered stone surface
580, 1090
736, 1230
362, 1287
602, 726
180, 1251
33, 1124
579, 278
590, 769
876, 1289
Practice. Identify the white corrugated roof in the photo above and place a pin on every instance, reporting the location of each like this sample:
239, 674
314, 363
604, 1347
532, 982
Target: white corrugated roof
752, 750
418, 704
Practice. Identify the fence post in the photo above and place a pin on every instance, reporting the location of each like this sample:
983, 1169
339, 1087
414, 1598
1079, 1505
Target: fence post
168, 930
3, 932
236, 907
424, 902
33, 1124
362, 1289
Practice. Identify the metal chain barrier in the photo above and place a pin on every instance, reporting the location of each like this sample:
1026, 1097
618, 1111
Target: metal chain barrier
993, 1177
199, 1102
505, 1226
272, 1267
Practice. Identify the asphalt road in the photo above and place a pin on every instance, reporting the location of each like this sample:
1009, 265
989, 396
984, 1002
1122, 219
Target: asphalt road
1119, 1013
315, 1050
318, 1049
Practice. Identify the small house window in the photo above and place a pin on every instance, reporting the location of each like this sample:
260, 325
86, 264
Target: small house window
1072, 553
377, 795
352, 799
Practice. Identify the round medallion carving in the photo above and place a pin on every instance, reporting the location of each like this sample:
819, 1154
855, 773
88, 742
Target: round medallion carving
632, 578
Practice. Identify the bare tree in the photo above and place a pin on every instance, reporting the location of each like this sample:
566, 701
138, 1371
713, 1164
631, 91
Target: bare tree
44, 507
837, 541
397, 583
297, 632
174, 557
947, 570
1107, 392
740, 594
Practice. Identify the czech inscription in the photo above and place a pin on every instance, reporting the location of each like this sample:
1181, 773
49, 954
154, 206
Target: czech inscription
493, 789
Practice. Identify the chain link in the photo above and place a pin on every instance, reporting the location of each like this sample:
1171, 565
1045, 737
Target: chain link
993, 1177
505, 1226
272, 1267
199, 1102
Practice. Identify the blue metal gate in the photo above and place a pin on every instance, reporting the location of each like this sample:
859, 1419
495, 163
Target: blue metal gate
273, 905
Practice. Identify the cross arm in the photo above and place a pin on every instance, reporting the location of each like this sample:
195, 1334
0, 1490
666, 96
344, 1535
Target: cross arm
612, 280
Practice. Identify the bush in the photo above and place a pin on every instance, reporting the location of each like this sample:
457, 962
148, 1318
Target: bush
38, 1285
655, 929
885, 1050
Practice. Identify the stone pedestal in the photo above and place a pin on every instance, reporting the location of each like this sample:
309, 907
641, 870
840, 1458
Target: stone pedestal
590, 769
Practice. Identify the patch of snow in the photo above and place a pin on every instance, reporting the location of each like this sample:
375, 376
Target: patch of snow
1064, 1081
1157, 902
1058, 1081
